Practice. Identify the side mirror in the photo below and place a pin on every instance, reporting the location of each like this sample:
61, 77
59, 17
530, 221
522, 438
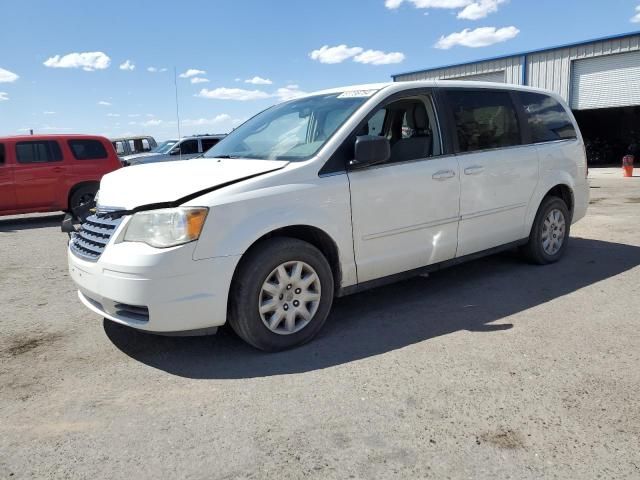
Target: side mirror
371, 150
175, 151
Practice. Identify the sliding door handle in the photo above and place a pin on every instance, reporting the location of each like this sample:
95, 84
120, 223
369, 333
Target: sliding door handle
443, 175
475, 170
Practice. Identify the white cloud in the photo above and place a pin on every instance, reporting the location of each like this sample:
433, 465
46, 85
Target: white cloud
7, 77
104, 104
133, 115
258, 81
479, 9
4, 96
471, 9
337, 54
58, 129
192, 72
377, 57
151, 123
232, 94
88, 61
289, 92
341, 53
480, 37
393, 4
199, 80
48, 112
198, 122
113, 114
634, 19
127, 65
156, 69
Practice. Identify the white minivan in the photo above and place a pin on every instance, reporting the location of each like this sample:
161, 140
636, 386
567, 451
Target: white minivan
326, 195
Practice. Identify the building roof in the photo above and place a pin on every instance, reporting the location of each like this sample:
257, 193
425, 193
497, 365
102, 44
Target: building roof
520, 54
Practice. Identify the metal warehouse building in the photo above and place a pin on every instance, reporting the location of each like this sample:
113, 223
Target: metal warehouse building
599, 79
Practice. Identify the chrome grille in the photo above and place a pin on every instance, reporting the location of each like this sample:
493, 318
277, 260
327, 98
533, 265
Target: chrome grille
91, 239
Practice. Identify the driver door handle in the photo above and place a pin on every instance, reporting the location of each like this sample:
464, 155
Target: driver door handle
443, 175
475, 170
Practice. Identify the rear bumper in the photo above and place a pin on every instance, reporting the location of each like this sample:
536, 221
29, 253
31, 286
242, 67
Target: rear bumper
155, 290
580, 201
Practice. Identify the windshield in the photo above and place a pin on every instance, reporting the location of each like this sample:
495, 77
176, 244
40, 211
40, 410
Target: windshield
164, 147
292, 131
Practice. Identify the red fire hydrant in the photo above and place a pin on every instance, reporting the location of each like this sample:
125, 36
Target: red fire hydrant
627, 165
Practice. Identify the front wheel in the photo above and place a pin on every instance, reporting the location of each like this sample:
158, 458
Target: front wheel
82, 196
550, 232
281, 295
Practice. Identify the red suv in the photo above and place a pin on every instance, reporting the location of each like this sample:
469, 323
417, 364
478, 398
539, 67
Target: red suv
46, 173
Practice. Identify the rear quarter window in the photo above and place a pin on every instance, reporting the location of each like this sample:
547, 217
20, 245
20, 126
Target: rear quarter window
207, 143
87, 149
38, 152
548, 120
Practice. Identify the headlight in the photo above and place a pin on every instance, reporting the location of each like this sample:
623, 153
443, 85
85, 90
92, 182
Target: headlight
166, 227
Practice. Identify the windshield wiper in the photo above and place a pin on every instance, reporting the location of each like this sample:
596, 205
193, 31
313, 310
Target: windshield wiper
223, 156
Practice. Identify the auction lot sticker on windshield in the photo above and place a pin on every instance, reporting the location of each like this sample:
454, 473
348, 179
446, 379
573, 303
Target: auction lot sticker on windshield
357, 93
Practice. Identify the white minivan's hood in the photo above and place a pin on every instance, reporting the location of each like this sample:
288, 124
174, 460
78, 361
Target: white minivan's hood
131, 187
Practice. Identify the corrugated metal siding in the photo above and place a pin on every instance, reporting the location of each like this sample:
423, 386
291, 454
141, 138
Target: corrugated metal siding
606, 81
485, 77
552, 69
511, 66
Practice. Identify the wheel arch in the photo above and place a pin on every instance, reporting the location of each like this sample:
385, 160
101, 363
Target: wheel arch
556, 183
564, 192
307, 233
79, 185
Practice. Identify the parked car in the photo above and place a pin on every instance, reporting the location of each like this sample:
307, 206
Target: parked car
327, 195
188, 147
46, 173
162, 148
133, 145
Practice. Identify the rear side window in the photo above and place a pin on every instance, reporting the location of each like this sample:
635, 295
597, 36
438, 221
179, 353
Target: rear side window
87, 149
145, 145
484, 119
1, 153
38, 152
207, 143
189, 147
548, 120
119, 146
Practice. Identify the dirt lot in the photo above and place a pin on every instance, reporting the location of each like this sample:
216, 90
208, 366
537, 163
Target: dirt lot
493, 369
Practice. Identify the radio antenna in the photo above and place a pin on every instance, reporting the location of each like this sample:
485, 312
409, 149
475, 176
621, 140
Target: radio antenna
175, 83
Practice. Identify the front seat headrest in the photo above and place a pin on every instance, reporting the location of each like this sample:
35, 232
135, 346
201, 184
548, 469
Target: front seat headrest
420, 117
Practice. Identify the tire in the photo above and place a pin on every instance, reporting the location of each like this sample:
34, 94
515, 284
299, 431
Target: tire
549, 235
81, 196
267, 277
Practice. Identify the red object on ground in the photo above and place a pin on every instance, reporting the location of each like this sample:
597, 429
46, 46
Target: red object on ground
48, 173
627, 165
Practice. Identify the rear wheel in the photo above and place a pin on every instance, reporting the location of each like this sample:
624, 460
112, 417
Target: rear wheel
82, 196
282, 294
550, 232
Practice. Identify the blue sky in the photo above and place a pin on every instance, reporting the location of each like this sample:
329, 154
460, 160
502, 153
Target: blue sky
60, 62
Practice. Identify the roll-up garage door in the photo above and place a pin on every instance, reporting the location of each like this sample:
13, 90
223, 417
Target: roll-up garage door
609, 81
497, 77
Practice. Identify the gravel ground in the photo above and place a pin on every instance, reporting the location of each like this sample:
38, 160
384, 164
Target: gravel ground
492, 369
